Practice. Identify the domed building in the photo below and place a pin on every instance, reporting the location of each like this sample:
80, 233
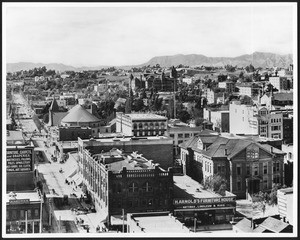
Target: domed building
78, 116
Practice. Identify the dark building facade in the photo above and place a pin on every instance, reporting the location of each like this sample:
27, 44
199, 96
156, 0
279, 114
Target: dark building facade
158, 149
72, 133
122, 183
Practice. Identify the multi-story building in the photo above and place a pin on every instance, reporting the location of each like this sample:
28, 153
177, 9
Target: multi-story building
121, 183
24, 212
159, 149
180, 132
141, 124
279, 83
218, 117
247, 166
246, 89
212, 96
227, 85
248, 119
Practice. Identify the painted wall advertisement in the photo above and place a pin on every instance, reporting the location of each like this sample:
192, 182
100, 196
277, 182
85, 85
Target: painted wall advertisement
19, 160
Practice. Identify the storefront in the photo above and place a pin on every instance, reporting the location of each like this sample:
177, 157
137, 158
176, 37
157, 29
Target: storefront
192, 203
207, 211
24, 212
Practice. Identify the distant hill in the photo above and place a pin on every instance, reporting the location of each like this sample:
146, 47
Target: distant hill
257, 59
13, 67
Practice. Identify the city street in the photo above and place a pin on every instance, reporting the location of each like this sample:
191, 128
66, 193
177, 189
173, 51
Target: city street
56, 173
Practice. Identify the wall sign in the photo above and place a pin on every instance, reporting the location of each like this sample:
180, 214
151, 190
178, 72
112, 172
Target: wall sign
19, 160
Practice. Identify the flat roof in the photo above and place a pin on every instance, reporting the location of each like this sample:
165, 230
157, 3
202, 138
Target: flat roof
187, 188
161, 224
126, 139
33, 196
14, 135
145, 116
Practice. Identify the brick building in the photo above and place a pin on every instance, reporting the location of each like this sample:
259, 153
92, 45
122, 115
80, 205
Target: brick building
159, 149
141, 124
121, 183
248, 166
24, 212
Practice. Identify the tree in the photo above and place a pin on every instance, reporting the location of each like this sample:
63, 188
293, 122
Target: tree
199, 121
250, 68
241, 75
184, 116
216, 183
230, 68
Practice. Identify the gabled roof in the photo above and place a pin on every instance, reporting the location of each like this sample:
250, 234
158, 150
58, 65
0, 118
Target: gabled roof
54, 106
234, 146
79, 114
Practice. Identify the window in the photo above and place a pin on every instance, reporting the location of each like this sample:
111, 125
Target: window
238, 169
265, 168
276, 167
14, 214
180, 141
180, 135
218, 168
255, 169
239, 184
248, 169
172, 135
150, 202
265, 183
22, 214
29, 213
133, 187
187, 135
275, 128
147, 187
36, 213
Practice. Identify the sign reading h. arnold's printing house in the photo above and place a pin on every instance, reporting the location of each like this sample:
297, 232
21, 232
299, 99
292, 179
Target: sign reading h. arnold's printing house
204, 202
19, 160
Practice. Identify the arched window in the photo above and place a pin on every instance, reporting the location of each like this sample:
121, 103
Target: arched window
134, 126
151, 125
157, 125
147, 187
140, 126
146, 126
133, 187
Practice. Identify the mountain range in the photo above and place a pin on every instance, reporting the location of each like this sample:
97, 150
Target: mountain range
257, 59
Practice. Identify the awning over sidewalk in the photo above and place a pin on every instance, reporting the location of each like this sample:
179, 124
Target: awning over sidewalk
77, 179
117, 220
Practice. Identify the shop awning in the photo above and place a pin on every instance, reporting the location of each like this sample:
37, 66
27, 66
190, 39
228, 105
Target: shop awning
117, 220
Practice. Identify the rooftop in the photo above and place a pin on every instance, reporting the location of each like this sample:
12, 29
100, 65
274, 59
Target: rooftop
145, 116
186, 187
33, 196
79, 114
153, 224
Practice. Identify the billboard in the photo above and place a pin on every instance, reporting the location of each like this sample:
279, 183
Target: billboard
19, 160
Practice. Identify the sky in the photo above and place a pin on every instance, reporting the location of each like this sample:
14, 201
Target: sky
126, 34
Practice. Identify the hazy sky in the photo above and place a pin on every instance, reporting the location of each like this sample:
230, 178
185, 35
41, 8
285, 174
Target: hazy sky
90, 36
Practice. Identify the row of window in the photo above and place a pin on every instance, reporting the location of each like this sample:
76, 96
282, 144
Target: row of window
149, 133
255, 168
276, 179
276, 128
20, 214
186, 135
134, 187
275, 120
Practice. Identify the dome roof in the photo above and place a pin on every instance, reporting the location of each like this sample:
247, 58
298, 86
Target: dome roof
79, 114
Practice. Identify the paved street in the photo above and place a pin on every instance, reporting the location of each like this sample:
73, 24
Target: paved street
55, 178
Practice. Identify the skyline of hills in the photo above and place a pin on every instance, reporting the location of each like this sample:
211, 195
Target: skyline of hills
257, 59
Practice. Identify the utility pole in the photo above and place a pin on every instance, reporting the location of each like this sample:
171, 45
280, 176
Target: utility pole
123, 226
